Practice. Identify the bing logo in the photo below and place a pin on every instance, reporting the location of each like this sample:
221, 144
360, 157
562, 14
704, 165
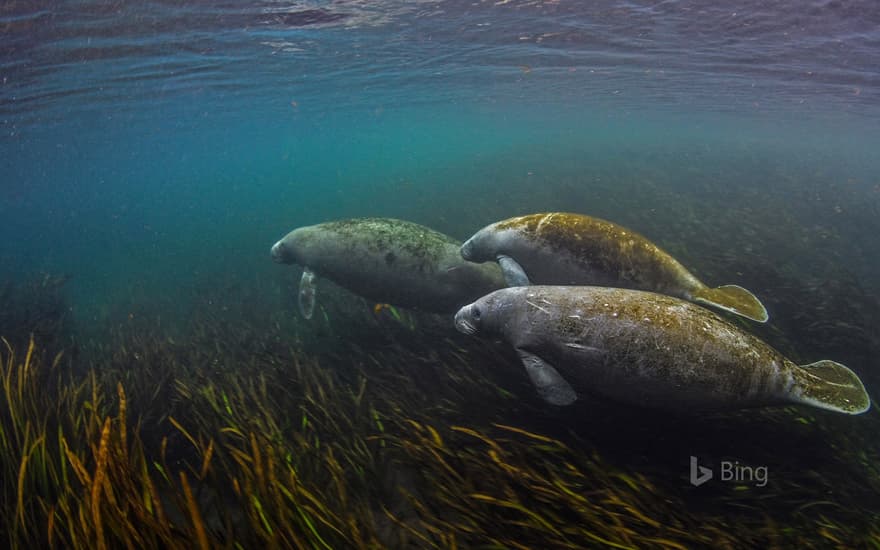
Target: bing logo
730, 471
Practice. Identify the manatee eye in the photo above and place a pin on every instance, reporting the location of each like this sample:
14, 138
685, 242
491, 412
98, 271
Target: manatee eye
475, 313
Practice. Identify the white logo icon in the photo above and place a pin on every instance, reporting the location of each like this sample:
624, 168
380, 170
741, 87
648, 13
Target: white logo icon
699, 474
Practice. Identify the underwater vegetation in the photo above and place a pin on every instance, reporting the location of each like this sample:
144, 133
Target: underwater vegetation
370, 428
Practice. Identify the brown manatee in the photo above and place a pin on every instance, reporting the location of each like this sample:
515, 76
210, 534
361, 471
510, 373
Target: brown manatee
650, 349
386, 260
572, 249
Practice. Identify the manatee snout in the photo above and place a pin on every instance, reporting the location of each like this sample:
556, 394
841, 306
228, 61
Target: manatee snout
467, 320
467, 250
281, 253
481, 247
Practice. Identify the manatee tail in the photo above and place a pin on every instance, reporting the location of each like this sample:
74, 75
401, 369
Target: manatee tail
734, 299
831, 386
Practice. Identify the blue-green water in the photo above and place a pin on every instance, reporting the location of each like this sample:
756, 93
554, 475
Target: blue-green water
150, 143
151, 150
157, 203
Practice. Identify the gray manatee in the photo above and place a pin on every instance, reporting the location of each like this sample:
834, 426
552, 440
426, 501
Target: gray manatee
650, 349
559, 248
386, 260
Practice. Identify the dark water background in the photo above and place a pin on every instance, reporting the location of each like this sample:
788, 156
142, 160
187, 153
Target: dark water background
151, 150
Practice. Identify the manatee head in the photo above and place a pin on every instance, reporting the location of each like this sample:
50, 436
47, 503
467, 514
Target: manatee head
285, 251
481, 247
485, 314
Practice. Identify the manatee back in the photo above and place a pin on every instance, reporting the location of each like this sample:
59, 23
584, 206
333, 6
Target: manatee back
574, 249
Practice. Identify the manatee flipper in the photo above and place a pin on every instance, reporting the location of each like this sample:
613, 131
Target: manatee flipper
831, 386
513, 272
551, 386
307, 293
734, 299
